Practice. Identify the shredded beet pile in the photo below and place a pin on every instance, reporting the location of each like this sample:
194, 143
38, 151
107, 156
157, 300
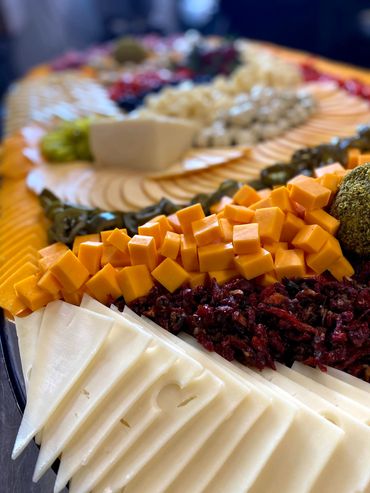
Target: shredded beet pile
318, 321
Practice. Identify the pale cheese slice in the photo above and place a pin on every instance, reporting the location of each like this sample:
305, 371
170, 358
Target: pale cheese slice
122, 348
27, 333
346, 389
69, 338
350, 379
232, 414
161, 413
348, 468
304, 452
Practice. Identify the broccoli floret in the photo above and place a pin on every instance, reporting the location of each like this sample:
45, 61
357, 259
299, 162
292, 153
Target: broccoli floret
351, 206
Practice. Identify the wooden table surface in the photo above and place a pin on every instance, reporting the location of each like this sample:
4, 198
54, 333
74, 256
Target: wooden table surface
16, 476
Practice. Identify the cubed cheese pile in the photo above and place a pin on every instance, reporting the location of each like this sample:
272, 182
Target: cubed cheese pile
133, 407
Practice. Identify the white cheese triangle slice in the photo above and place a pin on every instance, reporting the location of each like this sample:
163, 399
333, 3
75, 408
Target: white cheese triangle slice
347, 390
171, 403
348, 468
121, 349
216, 431
27, 334
69, 338
350, 379
300, 457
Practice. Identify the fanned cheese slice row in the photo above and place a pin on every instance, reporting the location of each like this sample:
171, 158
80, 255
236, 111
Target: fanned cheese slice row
301, 456
69, 338
346, 389
235, 407
27, 333
121, 349
348, 469
171, 403
350, 379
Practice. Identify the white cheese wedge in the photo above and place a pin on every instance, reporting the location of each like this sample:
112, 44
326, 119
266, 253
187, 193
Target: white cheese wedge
214, 433
161, 413
301, 456
27, 334
346, 389
150, 143
69, 338
122, 348
348, 468
350, 379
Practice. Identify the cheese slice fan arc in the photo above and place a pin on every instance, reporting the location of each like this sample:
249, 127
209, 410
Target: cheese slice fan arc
236, 403
348, 468
27, 333
350, 379
121, 349
302, 454
69, 338
174, 400
355, 394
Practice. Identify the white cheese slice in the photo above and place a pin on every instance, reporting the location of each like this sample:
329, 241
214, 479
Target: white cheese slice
304, 452
27, 334
151, 143
69, 338
346, 389
120, 351
350, 379
214, 433
161, 413
348, 468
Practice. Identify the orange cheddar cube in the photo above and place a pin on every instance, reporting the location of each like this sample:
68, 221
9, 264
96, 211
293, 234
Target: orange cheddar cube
246, 238
171, 245
174, 223
104, 235
111, 255
254, 264
292, 224
134, 281
261, 204
143, 251
103, 286
89, 254
48, 282
267, 279
69, 271
270, 221
189, 253
274, 247
119, 239
219, 256
206, 230
280, 198
197, 279
226, 229
289, 263
310, 194
352, 158
220, 206
325, 257
341, 268
75, 297
31, 294
188, 215
152, 229
330, 181
310, 238
238, 213
54, 249
246, 196
170, 274
330, 169
81, 239
363, 159
264, 193
297, 179
164, 224
222, 276
323, 219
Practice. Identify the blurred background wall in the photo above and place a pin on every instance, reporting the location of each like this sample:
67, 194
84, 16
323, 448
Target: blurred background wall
33, 31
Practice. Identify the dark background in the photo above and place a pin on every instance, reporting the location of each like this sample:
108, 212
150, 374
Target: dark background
33, 31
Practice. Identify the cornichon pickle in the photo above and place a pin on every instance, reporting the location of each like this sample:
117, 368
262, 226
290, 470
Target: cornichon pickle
277, 174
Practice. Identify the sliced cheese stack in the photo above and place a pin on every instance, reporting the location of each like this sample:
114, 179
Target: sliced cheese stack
126, 405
